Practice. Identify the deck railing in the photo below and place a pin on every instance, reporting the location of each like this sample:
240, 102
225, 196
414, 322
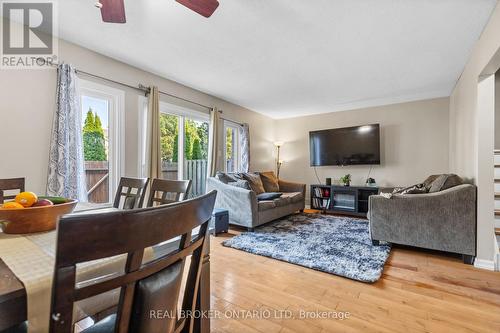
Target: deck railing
196, 170
97, 177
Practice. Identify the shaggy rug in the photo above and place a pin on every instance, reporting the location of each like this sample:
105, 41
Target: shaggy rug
336, 245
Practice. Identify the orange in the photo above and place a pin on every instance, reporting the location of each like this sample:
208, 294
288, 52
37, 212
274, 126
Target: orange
12, 205
27, 199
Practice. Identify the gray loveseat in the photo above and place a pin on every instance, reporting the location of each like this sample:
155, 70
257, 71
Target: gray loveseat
244, 208
443, 220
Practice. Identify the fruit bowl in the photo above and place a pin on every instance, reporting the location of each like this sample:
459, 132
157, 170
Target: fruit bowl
34, 219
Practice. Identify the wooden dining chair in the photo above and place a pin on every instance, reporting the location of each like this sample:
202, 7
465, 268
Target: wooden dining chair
165, 191
11, 184
144, 287
133, 191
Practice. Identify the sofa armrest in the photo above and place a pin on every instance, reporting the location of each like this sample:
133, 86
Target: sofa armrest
286, 186
444, 220
241, 203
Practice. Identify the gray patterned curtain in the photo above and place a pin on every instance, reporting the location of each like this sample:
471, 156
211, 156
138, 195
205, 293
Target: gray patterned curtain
66, 166
245, 147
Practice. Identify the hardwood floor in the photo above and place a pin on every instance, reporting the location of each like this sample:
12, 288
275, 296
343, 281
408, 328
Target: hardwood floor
419, 292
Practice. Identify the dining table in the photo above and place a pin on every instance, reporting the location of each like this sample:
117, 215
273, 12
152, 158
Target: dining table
14, 297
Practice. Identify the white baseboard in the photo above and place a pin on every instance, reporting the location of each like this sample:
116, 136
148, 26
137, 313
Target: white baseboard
484, 264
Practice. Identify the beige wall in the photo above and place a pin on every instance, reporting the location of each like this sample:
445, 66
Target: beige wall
497, 110
27, 103
414, 143
463, 100
471, 131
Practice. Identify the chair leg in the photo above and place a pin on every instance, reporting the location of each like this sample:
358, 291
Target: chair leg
468, 259
375, 242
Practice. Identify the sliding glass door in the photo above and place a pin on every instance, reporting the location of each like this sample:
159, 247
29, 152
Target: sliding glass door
184, 146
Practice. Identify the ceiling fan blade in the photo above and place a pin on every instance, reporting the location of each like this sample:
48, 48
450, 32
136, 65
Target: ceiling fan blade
203, 7
113, 11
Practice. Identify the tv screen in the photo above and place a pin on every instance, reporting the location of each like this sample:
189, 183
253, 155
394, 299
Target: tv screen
345, 146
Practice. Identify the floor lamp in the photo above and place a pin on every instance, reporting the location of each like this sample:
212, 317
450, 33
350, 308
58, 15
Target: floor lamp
279, 162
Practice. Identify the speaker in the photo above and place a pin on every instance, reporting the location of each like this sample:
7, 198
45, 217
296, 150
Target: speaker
328, 181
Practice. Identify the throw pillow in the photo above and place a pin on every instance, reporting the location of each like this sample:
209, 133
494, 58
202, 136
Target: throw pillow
224, 177
428, 182
415, 189
240, 183
255, 183
444, 182
270, 181
269, 196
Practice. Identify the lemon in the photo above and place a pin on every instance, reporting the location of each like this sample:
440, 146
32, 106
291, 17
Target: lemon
26, 199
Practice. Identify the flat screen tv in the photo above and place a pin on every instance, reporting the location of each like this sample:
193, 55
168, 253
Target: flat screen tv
345, 146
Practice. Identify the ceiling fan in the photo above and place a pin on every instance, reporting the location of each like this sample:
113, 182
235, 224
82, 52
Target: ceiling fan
113, 11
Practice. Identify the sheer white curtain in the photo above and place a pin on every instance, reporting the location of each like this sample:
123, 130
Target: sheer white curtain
245, 147
66, 176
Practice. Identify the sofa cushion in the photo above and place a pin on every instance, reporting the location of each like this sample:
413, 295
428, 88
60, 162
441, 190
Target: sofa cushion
224, 177
282, 201
265, 205
269, 196
254, 181
293, 197
270, 181
240, 183
444, 182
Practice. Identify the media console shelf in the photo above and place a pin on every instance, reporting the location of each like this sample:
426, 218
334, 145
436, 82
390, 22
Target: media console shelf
349, 200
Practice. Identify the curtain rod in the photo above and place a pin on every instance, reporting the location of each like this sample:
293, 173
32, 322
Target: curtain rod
146, 90
140, 87
231, 121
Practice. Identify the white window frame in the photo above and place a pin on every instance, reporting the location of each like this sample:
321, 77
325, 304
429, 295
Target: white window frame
237, 148
116, 131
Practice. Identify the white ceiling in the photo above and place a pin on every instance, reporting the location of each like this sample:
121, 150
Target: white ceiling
286, 58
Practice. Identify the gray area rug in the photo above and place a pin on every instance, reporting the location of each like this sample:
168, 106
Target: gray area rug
332, 244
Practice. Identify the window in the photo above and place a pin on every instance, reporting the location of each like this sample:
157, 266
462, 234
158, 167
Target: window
232, 156
184, 146
102, 139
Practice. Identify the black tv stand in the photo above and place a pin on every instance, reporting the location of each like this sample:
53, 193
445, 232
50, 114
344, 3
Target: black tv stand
337, 199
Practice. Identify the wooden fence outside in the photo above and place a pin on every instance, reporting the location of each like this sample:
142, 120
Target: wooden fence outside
97, 180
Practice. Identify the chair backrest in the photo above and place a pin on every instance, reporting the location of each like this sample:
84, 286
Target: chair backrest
144, 287
133, 191
165, 191
11, 184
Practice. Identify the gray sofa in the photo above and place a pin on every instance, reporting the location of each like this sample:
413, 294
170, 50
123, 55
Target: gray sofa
246, 211
444, 220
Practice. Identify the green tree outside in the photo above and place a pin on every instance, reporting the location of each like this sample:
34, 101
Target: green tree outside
89, 125
195, 139
175, 153
196, 154
94, 145
168, 133
229, 143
